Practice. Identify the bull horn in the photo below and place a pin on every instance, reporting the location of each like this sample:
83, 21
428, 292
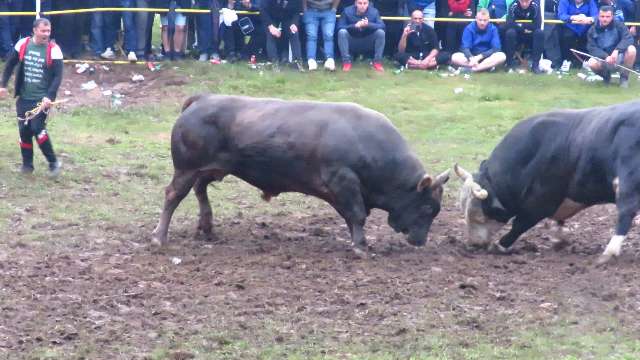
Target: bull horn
477, 190
441, 179
462, 173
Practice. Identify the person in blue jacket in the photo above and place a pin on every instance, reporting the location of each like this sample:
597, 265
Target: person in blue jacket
578, 16
480, 49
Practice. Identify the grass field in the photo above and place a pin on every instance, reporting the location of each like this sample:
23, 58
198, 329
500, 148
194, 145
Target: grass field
117, 162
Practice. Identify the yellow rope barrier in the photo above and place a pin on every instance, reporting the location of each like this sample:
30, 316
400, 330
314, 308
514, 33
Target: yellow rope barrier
206, 11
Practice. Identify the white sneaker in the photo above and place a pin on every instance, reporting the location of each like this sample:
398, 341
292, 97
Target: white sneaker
108, 54
132, 56
313, 65
566, 66
330, 64
203, 57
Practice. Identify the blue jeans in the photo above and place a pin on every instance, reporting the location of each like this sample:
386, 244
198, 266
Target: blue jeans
100, 33
208, 39
326, 19
128, 18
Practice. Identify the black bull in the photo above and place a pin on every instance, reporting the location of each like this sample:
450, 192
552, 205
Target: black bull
553, 165
349, 156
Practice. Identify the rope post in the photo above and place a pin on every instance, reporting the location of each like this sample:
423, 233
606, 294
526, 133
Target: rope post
38, 7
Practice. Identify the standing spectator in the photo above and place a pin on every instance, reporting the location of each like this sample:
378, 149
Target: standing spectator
126, 18
418, 47
320, 14
68, 28
144, 27
498, 9
361, 30
24, 24
6, 41
577, 15
281, 17
234, 36
480, 49
39, 75
207, 27
392, 29
102, 35
459, 9
609, 39
174, 40
528, 34
552, 34
428, 8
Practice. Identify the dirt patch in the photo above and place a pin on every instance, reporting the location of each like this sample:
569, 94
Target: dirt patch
292, 277
115, 86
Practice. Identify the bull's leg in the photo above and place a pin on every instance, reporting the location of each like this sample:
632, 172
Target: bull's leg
205, 221
520, 225
347, 200
174, 193
628, 204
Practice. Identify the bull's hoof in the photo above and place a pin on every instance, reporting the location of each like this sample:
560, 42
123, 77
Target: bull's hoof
604, 259
496, 248
156, 240
558, 244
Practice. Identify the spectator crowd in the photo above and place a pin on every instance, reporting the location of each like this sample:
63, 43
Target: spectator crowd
306, 33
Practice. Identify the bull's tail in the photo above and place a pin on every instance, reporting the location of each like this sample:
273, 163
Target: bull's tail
191, 100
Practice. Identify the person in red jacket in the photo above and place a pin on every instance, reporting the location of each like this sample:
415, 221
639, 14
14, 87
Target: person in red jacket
460, 9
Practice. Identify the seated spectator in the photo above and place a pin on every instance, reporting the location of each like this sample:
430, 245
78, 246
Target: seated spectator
418, 47
281, 17
207, 26
609, 39
174, 40
320, 14
459, 9
528, 34
480, 49
361, 30
235, 46
577, 15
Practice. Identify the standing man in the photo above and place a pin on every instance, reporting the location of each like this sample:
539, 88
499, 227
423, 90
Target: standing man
609, 39
418, 47
38, 78
480, 49
320, 14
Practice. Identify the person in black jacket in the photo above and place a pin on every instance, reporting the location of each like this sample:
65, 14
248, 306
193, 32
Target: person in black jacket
39, 75
418, 47
280, 18
529, 34
610, 41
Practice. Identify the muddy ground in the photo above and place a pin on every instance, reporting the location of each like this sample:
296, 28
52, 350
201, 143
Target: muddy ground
294, 278
291, 279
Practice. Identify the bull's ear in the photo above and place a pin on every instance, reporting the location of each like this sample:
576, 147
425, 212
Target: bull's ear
441, 179
425, 182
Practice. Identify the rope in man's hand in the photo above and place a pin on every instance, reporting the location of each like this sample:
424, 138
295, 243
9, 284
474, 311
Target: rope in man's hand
39, 108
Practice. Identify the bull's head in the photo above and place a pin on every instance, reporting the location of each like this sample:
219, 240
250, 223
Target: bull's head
481, 228
418, 209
